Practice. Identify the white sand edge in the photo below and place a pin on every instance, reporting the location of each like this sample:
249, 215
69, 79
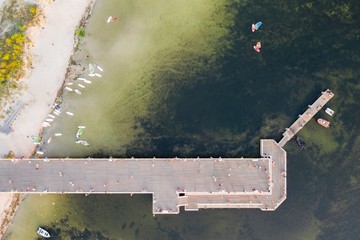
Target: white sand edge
53, 46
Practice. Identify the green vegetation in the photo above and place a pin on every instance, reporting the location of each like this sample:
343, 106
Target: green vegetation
16, 19
80, 32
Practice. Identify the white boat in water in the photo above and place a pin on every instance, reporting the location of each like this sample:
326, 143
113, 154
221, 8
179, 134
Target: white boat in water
91, 75
83, 142
42, 232
52, 116
91, 68
57, 134
49, 140
82, 79
40, 152
98, 75
329, 111
98, 67
81, 127
87, 81
78, 91
69, 89
69, 84
70, 113
49, 120
80, 85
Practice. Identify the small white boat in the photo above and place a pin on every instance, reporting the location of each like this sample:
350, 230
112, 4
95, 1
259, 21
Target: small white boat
42, 232
40, 152
56, 113
69, 89
329, 111
82, 79
45, 124
87, 81
80, 85
36, 143
49, 120
70, 113
52, 116
58, 134
91, 75
91, 68
83, 142
49, 140
78, 91
98, 75
98, 67
69, 84
109, 19
81, 127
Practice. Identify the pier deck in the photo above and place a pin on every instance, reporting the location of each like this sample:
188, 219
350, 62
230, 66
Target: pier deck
306, 116
192, 182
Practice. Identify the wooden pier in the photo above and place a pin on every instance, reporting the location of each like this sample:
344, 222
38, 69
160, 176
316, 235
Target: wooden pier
306, 116
192, 183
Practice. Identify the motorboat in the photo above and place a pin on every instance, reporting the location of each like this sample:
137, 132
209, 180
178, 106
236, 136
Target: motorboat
79, 132
323, 122
83, 142
300, 142
42, 232
329, 111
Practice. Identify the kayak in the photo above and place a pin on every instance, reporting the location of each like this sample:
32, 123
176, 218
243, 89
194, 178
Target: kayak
256, 26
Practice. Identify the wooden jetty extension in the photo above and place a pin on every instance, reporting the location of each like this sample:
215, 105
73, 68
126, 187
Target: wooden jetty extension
306, 116
192, 183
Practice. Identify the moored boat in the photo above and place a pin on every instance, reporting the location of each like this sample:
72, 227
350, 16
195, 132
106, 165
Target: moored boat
83, 142
300, 142
42, 232
329, 111
323, 122
79, 132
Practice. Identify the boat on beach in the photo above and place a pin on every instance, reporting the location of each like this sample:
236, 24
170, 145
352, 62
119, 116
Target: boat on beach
300, 142
329, 111
323, 122
42, 232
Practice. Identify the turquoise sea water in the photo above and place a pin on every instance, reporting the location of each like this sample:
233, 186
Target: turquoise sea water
182, 79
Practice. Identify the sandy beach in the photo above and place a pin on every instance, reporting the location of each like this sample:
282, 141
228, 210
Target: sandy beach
53, 42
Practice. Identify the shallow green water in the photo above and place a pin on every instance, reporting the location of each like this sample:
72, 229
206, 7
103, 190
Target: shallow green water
182, 79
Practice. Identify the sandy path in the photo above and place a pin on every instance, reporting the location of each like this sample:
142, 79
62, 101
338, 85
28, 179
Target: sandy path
54, 41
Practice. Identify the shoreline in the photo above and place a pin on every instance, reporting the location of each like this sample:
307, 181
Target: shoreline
53, 45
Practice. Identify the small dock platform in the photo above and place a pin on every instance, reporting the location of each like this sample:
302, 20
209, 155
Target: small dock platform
306, 116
